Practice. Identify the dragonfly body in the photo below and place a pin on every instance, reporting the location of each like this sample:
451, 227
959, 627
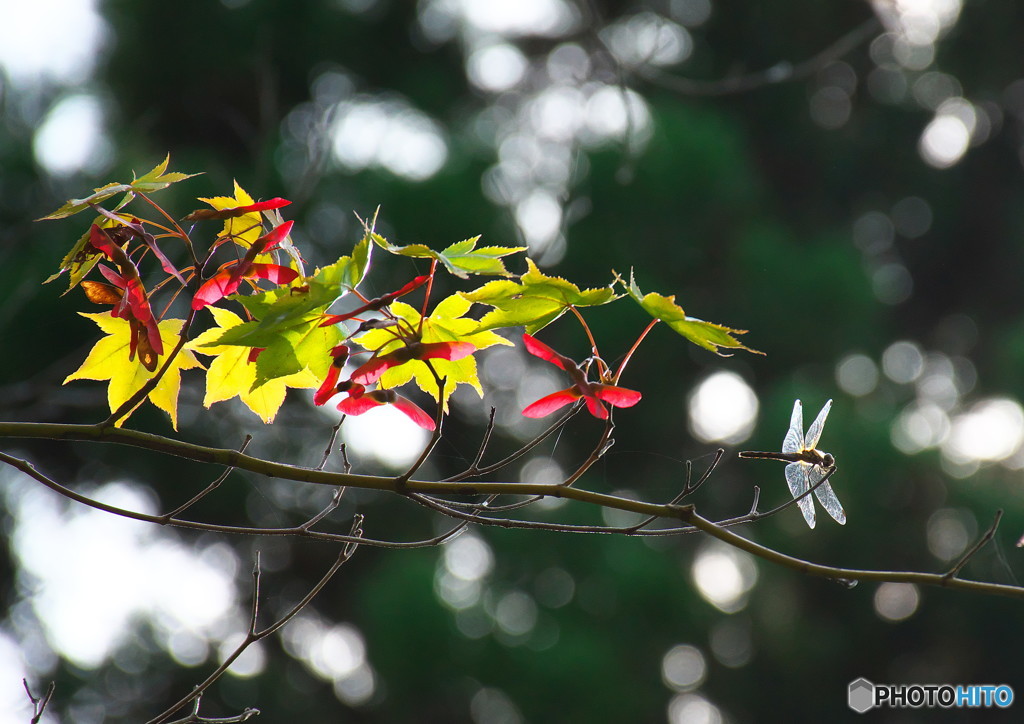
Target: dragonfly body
807, 465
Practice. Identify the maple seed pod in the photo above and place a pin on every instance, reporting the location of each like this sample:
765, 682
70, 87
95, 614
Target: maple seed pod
100, 293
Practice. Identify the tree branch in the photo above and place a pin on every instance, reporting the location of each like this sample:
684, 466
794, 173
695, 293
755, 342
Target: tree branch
253, 635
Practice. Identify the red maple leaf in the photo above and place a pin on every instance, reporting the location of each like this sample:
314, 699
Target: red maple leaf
227, 280
235, 211
128, 297
357, 405
593, 393
377, 365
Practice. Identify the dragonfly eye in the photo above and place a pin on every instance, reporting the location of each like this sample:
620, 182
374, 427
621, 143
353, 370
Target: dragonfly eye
828, 460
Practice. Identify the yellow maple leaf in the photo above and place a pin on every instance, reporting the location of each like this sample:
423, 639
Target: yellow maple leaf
445, 324
244, 229
231, 374
108, 360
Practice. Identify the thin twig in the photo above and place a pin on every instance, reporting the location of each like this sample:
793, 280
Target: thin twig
757, 499
39, 703
181, 232
687, 489
509, 459
298, 531
209, 488
330, 444
420, 490
972, 551
688, 514
194, 718
782, 72
253, 634
707, 473
485, 441
346, 466
602, 446
335, 500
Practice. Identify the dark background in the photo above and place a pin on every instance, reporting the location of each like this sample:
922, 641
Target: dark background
769, 206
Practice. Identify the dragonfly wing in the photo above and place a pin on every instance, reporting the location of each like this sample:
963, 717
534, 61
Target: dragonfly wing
829, 501
794, 441
814, 431
799, 483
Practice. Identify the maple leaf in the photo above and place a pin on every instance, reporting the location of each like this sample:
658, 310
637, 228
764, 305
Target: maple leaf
231, 212
158, 178
155, 180
593, 393
134, 303
287, 326
108, 360
447, 323
373, 370
534, 301
708, 335
82, 257
287, 321
461, 258
362, 403
79, 261
282, 308
245, 228
233, 372
230, 276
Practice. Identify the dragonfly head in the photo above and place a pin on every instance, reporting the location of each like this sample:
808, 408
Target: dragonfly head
827, 460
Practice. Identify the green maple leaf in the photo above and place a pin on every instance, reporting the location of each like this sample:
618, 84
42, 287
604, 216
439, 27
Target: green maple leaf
155, 180
461, 258
108, 360
287, 321
287, 348
301, 347
77, 261
708, 335
232, 374
447, 323
293, 310
534, 301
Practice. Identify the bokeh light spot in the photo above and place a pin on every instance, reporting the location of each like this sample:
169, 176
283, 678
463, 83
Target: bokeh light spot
896, 601
991, 430
947, 137
724, 576
857, 374
683, 668
949, 532
722, 408
385, 434
912, 217
731, 642
903, 362
71, 137
496, 67
921, 426
388, 134
693, 709
50, 40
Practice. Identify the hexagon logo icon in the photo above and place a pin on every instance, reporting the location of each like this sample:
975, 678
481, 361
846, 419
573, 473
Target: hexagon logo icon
861, 695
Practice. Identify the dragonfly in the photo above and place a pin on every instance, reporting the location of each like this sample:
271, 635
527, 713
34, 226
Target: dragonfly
807, 465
